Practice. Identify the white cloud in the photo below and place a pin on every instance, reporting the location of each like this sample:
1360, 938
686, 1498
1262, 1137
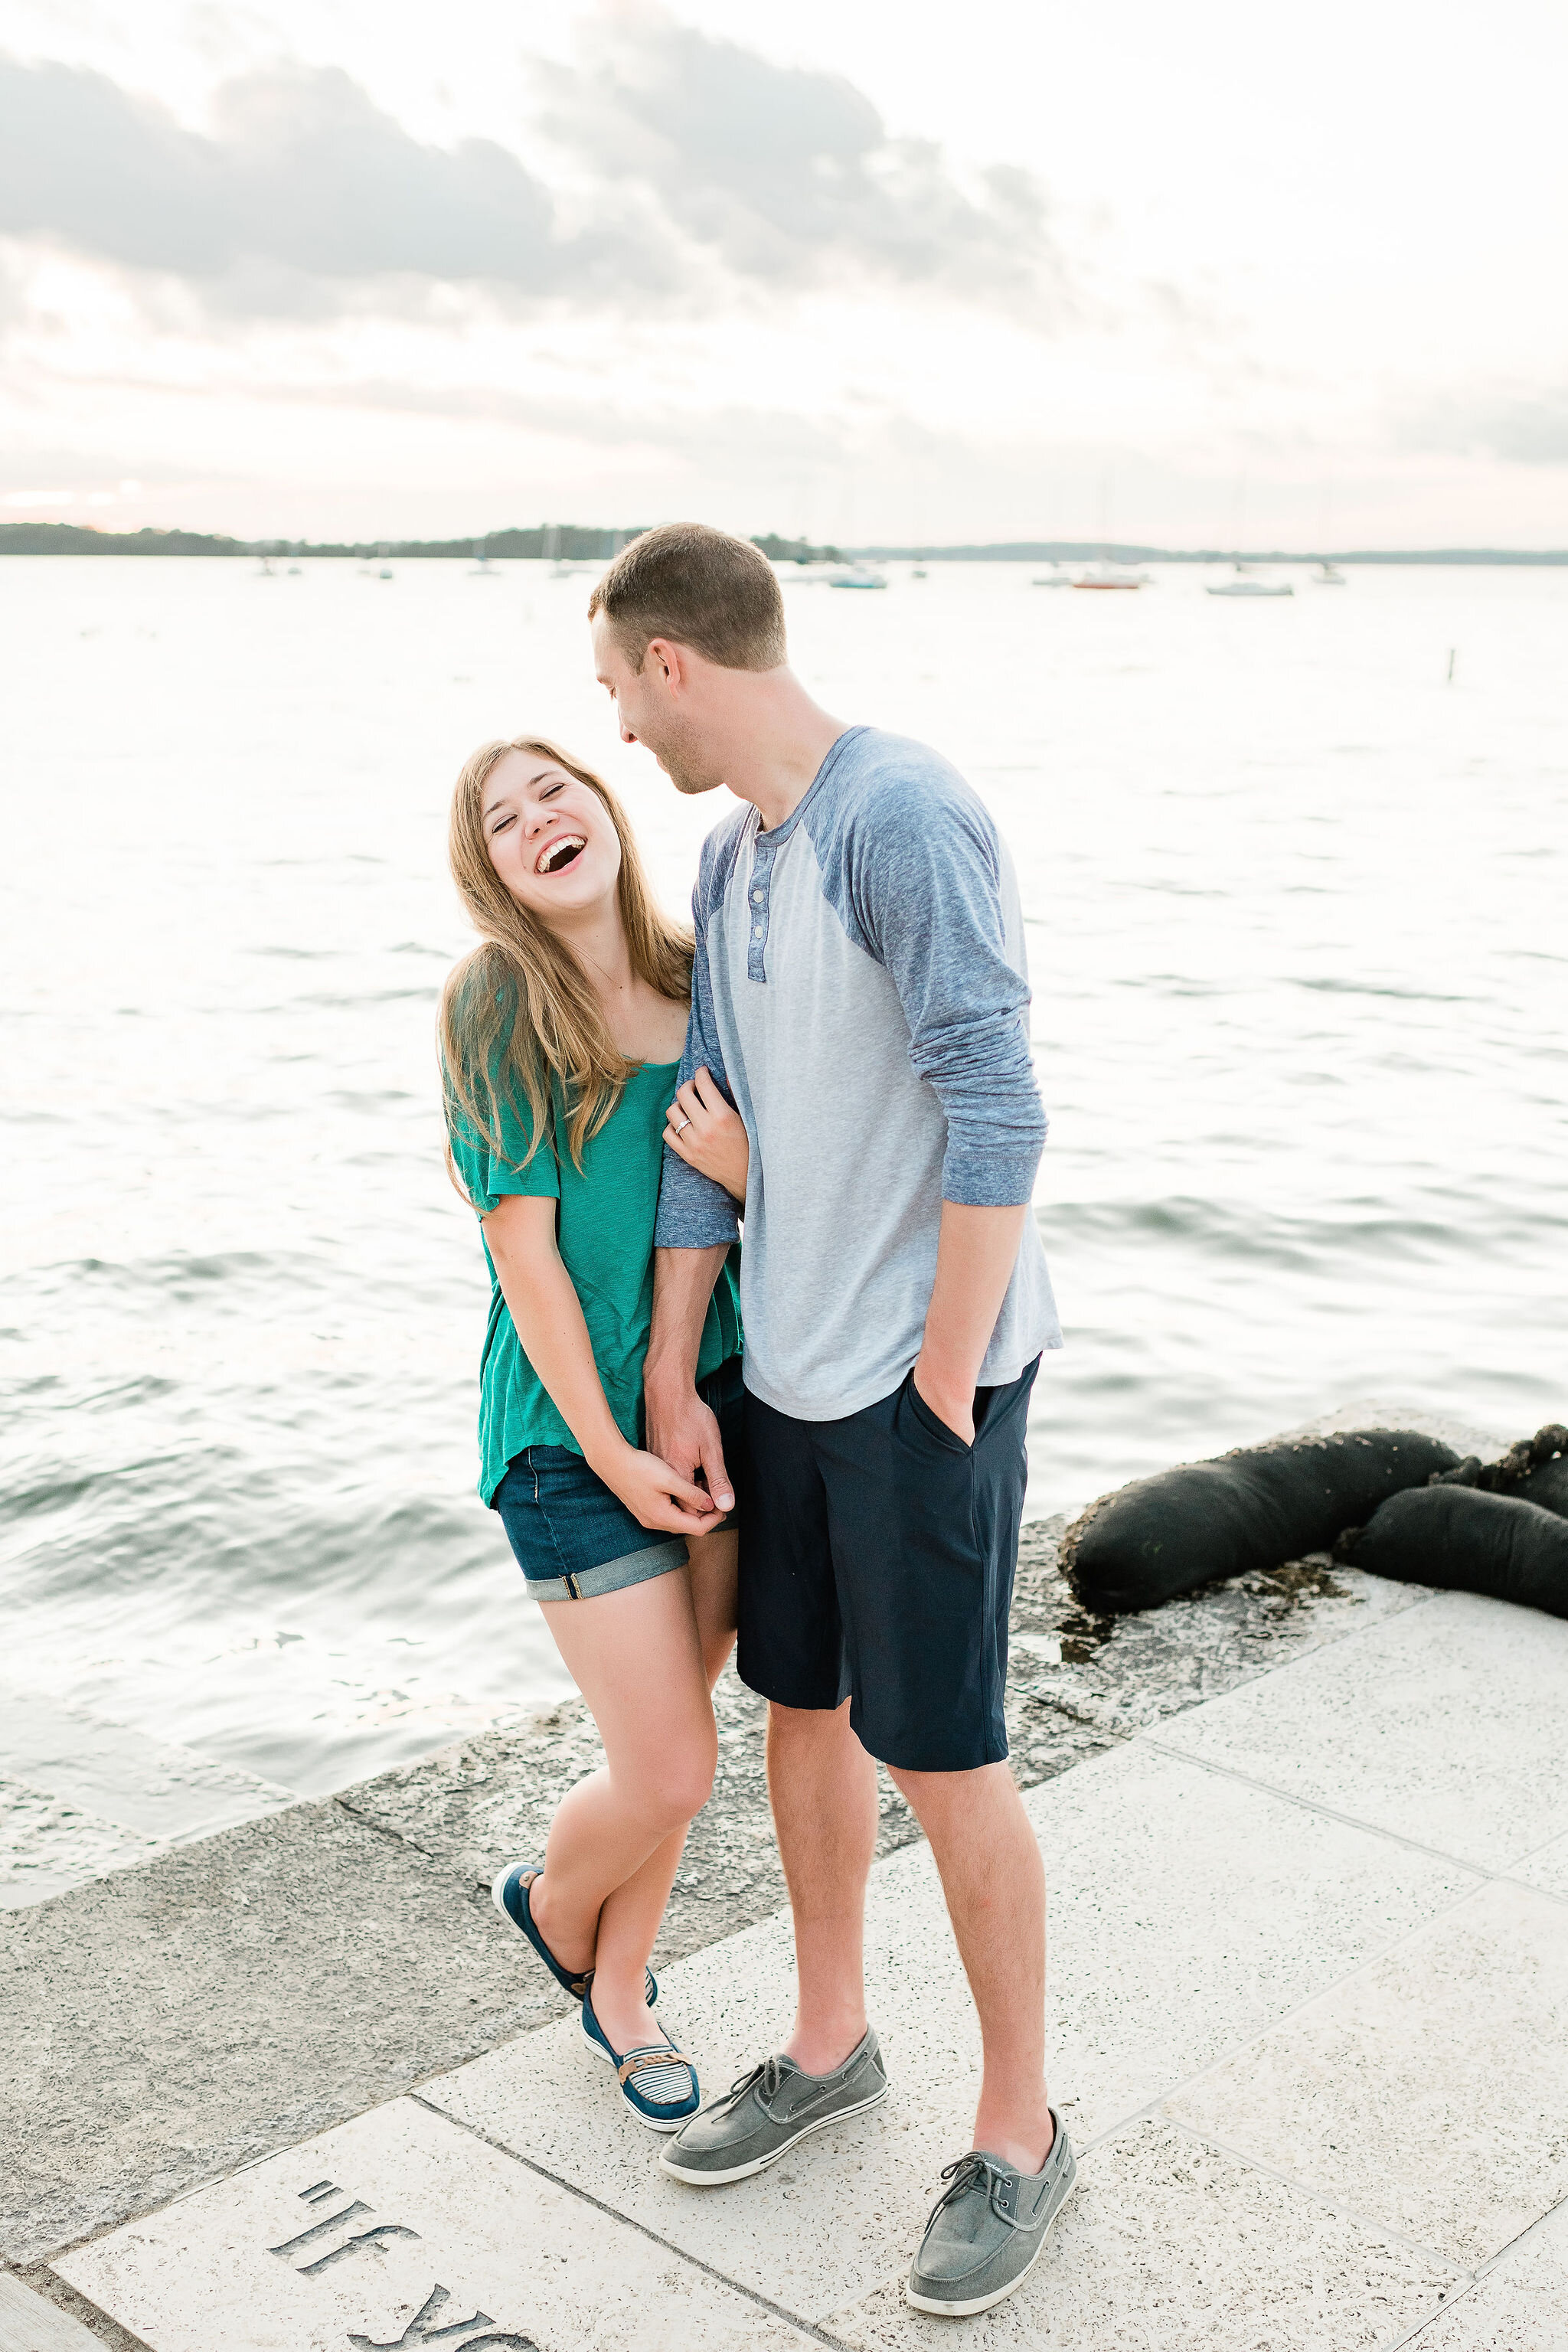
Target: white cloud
790, 175
303, 187
705, 164
1522, 428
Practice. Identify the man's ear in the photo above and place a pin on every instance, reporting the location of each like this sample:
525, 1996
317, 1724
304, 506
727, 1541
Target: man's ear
670, 661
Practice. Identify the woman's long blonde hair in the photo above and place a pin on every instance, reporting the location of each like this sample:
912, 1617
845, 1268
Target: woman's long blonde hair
518, 1016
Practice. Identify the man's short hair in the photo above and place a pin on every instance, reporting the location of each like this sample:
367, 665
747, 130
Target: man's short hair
697, 587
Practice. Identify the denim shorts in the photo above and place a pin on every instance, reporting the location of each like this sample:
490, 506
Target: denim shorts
573, 1539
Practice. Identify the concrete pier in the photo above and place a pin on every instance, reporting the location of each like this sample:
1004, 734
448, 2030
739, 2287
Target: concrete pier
296, 2084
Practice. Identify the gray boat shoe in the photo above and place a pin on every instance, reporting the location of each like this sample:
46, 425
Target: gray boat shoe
761, 2117
987, 2231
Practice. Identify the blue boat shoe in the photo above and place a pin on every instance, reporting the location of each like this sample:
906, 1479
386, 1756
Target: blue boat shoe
657, 2083
988, 2230
509, 1893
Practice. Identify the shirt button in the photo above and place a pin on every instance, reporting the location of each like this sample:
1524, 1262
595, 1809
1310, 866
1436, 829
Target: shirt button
756, 897
757, 930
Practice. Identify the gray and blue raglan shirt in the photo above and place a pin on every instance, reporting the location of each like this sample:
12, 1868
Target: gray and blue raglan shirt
861, 992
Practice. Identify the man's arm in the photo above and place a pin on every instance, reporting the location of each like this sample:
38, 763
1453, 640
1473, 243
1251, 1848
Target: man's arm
975, 1254
928, 890
548, 1314
698, 1221
695, 1212
681, 1428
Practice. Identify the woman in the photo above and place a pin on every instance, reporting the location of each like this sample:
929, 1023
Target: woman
561, 1035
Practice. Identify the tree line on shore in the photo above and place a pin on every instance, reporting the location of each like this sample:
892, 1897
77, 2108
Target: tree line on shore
580, 543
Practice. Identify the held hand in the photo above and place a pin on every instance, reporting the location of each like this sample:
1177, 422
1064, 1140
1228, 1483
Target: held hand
657, 1495
682, 1431
954, 1406
701, 1129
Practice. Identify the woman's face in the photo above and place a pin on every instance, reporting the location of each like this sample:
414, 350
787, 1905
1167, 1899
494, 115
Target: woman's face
550, 838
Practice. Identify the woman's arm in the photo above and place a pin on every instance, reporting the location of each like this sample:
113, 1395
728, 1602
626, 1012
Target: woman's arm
548, 1313
701, 1129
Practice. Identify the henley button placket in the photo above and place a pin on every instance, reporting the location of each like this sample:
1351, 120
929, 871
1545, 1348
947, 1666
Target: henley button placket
762, 878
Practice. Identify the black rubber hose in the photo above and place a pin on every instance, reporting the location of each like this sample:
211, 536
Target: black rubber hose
1463, 1540
1251, 1509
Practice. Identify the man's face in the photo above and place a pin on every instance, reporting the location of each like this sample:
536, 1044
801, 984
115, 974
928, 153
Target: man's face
658, 705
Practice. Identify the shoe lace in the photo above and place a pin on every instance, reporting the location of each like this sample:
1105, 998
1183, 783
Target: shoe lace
763, 2079
974, 2173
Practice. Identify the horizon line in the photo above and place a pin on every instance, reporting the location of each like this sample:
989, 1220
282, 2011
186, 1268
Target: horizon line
579, 542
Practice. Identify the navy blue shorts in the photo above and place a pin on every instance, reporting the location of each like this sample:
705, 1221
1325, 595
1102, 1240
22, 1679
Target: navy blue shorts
573, 1538
876, 1562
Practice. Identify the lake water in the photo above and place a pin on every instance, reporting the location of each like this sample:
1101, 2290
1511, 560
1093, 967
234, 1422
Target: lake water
1298, 951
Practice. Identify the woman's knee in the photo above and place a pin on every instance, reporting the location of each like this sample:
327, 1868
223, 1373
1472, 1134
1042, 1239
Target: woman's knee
675, 1780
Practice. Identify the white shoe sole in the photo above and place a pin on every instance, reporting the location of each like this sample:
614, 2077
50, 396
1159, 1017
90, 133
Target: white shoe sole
761, 2164
985, 2302
653, 2123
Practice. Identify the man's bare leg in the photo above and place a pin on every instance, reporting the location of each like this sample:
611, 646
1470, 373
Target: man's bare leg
823, 1786
995, 1883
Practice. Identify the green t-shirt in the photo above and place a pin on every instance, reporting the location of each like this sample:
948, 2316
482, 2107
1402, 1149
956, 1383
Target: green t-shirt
604, 1229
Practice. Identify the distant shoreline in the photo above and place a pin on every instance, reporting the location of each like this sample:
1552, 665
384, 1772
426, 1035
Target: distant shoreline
582, 543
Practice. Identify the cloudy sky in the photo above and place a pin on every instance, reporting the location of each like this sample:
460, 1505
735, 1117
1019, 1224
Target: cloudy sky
1021, 268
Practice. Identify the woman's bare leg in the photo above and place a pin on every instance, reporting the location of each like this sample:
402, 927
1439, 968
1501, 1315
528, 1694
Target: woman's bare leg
646, 1661
629, 1919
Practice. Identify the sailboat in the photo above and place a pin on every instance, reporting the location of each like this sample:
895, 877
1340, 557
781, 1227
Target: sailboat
1106, 574
561, 567
481, 568
1245, 581
1328, 575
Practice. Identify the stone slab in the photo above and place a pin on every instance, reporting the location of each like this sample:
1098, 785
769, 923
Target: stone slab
1547, 1868
28, 2324
1426, 2091
397, 2229
1446, 1724
106, 2334
1119, 1676
170, 2023
1170, 2246
240, 2035
146, 1786
813, 2231
47, 1846
1520, 2304
191, 2013
1188, 1912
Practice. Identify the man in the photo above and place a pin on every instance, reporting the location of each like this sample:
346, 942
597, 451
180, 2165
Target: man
859, 991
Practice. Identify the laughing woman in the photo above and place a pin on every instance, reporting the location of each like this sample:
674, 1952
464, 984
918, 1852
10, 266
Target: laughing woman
561, 1035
